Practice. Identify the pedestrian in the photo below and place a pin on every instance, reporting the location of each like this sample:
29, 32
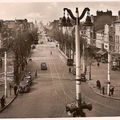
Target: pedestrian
15, 90
98, 64
3, 101
10, 87
29, 73
35, 73
98, 84
112, 91
51, 52
103, 90
69, 69
85, 70
30, 59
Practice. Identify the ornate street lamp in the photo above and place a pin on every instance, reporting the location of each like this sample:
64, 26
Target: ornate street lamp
76, 108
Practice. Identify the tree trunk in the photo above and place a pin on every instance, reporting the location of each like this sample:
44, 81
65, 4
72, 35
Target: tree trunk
16, 70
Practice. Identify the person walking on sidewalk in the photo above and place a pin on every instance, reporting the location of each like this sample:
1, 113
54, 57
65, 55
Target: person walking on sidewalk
98, 84
85, 70
35, 73
15, 90
51, 52
3, 101
112, 91
10, 87
103, 90
69, 69
98, 64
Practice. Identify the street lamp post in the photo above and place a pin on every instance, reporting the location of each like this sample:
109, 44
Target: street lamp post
5, 73
84, 59
77, 108
109, 60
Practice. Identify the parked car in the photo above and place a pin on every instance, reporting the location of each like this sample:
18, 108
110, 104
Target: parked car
103, 60
41, 42
115, 65
114, 68
73, 71
83, 78
33, 47
28, 79
23, 87
43, 66
70, 62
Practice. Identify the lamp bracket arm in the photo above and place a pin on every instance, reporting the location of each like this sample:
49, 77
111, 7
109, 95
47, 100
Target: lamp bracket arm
83, 13
70, 13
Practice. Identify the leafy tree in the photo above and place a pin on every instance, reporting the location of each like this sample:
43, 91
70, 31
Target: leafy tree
19, 42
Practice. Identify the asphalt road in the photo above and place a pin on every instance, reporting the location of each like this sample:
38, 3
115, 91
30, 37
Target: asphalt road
53, 89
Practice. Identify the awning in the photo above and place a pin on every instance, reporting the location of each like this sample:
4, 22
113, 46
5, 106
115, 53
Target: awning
101, 52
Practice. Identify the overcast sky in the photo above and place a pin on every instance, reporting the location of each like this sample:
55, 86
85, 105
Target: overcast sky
51, 10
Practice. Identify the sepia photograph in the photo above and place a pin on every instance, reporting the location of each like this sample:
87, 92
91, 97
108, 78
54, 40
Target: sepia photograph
60, 59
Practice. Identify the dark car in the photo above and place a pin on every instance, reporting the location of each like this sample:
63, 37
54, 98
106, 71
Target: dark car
33, 47
103, 60
23, 87
83, 78
41, 42
28, 79
43, 66
73, 71
70, 62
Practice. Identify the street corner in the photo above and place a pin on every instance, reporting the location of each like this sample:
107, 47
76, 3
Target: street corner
8, 101
92, 84
102, 91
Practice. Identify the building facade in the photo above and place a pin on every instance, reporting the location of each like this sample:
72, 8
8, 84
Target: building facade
100, 39
117, 36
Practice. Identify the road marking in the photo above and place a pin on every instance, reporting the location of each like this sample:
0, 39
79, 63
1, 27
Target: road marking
52, 78
60, 80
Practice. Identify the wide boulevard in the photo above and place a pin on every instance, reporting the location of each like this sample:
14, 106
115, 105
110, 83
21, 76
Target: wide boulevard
54, 88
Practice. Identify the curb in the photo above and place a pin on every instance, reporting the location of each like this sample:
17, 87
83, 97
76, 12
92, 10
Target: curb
62, 53
105, 96
8, 104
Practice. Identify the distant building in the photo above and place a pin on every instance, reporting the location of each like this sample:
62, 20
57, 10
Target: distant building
100, 39
99, 21
117, 34
21, 24
9, 24
31, 25
102, 18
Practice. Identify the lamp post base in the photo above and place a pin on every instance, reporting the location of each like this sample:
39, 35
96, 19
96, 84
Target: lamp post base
75, 109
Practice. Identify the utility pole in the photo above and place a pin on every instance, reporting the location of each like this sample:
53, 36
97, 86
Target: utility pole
77, 43
109, 60
83, 58
5, 73
76, 108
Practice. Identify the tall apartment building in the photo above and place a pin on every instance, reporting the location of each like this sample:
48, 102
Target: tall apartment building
117, 34
99, 22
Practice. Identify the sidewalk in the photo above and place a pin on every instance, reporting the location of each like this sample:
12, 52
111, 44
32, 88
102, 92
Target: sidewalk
10, 96
9, 99
100, 73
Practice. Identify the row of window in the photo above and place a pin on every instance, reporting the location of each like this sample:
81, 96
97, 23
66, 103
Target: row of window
117, 38
117, 48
